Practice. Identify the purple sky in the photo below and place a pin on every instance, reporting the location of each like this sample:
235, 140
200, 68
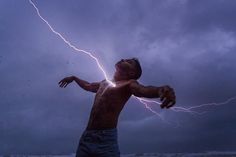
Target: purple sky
187, 44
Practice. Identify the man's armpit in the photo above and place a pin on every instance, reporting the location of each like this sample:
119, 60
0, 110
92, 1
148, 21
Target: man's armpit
136, 88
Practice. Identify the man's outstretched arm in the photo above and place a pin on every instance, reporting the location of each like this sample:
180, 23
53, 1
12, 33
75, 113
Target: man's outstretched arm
92, 87
165, 93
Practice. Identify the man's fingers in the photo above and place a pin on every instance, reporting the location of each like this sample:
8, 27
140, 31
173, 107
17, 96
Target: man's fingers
162, 105
168, 102
61, 81
165, 103
66, 84
162, 97
167, 97
62, 84
172, 103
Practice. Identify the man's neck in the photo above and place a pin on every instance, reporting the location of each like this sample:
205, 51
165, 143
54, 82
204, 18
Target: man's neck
119, 79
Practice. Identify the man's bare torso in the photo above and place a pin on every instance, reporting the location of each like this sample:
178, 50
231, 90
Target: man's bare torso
109, 100
108, 103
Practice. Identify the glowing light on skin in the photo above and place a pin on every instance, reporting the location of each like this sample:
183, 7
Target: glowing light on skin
72, 46
143, 101
88, 53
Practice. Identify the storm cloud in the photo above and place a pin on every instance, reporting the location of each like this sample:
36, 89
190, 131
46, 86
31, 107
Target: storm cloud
189, 45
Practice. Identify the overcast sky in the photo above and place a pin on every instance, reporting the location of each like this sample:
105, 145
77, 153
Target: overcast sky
187, 44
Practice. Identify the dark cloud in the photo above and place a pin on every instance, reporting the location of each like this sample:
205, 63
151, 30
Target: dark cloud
206, 15
187, 44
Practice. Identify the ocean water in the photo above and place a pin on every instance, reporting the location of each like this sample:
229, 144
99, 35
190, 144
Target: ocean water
205, 154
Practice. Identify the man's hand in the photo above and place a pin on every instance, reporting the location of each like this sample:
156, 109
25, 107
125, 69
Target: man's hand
64, 82
167, 96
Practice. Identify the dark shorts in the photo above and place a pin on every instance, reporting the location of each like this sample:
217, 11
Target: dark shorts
98, 143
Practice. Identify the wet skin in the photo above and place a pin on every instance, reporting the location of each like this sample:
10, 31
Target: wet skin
109, 101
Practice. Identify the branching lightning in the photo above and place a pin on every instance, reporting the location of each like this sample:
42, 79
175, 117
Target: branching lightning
146, 102
190, 109
71, 45
86, 52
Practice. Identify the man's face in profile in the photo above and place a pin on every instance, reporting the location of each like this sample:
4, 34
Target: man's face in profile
126, 67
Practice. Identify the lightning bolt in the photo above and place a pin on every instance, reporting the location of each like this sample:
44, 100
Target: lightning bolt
145, 102
71, 45
87, 53
190, 109
142, 100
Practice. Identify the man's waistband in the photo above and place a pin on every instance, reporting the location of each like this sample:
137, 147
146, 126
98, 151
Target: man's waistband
113, 130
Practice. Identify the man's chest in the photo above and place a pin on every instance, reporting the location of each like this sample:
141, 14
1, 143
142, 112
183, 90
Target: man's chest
108, 92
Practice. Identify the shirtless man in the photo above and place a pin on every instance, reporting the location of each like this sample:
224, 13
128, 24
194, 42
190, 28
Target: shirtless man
100, 137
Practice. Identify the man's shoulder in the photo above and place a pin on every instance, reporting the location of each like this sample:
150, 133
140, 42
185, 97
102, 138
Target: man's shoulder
133, 82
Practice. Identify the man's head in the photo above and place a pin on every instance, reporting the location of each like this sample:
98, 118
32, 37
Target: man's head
128, 69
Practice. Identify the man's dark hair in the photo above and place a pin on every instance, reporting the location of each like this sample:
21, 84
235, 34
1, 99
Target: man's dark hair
138, 68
